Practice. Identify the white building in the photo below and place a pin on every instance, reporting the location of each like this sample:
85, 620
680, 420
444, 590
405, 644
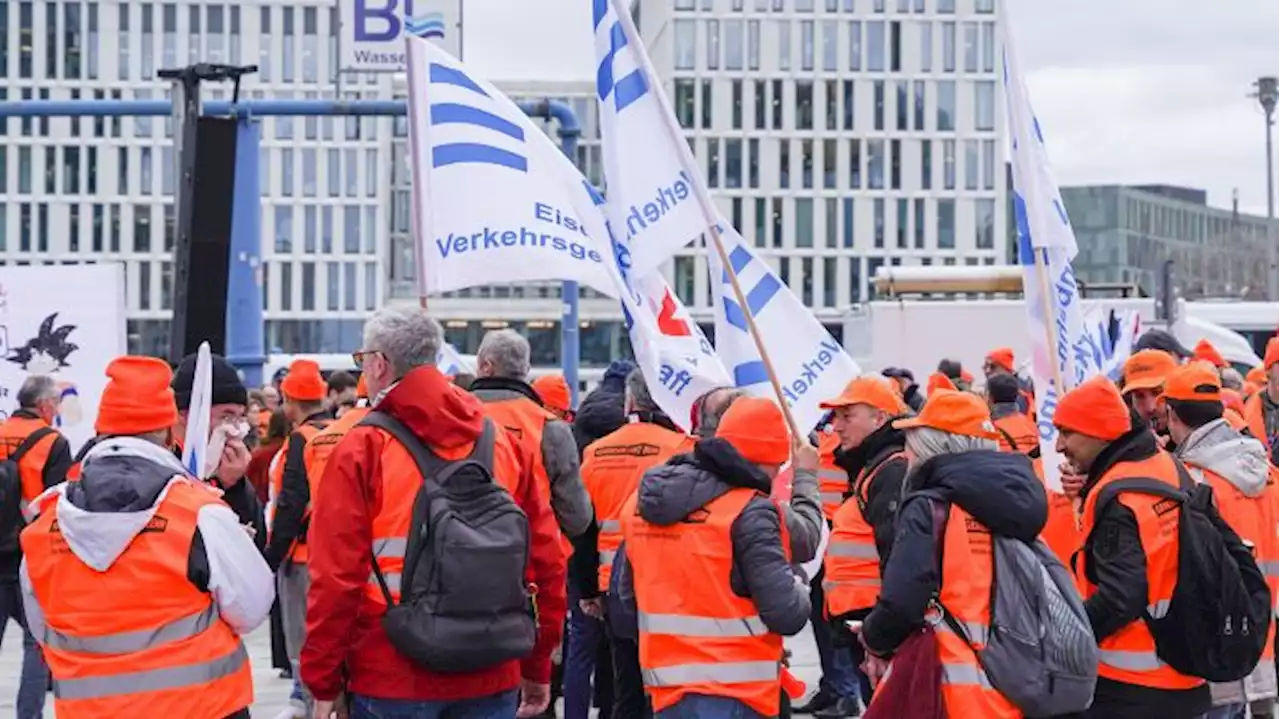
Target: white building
840, 135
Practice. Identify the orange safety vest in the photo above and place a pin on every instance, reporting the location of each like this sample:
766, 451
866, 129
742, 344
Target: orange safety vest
967, 566
13, 432
1255, 418
833, 482
316, 455
275, 473
392, 507
1129, 655
1062, 529
611, 470
1017, 433
139, 639
526, 420
1255, 520
696, 635
851, 579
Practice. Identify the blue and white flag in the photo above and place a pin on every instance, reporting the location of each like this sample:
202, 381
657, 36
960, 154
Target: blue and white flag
451, 362
651, 175
678, 362
195, 445
1061, 348
811, 366
495, 201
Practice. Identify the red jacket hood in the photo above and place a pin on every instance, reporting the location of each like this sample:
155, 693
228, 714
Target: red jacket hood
439, 412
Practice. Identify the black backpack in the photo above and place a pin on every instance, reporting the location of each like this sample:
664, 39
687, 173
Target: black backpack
11, 519
464, 604
1220, 612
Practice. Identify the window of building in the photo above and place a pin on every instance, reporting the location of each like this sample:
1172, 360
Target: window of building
762, 217
804, 105
121, 40
806, 281
284, 229
804, 222
918, 115
875, 164
685, 102
847, 202
946, 105
806, 164
195, 45
707, 106
829, 164
761, 103
753, 44
830, 94
686, 42
733, 163
971, 168
919, 222
946, 224
848, 88
713, 44
713, 162
310, 44
855, 44
985, 224
984, 105
948, 164
895, 164
775, 220
776, 99
926, 164
830, 46
875, 46
806, 45
733, 44
895, 46
855, 164
753, 163
988, 164
784, 44
736, 97
877, 210
265, 44
784, 163
877, 99
971, 49
948, 47
926, 45
988, 47
904, 103
142, 228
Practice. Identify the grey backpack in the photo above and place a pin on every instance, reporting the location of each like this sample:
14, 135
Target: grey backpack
1040, 652
464, 604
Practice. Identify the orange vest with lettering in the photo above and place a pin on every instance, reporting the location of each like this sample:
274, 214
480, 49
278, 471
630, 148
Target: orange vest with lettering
13, 432
851, 580
309, 430
696, 635
1129, 655
611, 470
138, 639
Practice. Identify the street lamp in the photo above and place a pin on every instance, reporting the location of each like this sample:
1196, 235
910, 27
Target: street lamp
1267, 90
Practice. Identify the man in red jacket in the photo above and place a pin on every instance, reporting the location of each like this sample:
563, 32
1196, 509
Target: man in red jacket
371, 477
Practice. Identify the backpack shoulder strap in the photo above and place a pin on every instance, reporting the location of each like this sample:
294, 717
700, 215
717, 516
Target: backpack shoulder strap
1013, 444
1141, 485
29, 443
482, 450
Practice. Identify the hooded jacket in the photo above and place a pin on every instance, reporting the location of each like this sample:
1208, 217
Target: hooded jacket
560, 457
603, 411
121, 484
999, 490
1240, 460
343, 638
885, 491
761, 572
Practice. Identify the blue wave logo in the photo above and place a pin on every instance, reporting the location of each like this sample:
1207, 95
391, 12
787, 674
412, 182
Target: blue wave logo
425, 26
455, 113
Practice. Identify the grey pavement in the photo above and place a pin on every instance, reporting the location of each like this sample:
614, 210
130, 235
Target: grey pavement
272, 693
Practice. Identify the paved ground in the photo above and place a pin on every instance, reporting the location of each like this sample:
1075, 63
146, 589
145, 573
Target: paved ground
273, 693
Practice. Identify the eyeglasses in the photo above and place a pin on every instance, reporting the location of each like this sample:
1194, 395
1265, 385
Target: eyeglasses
359, 357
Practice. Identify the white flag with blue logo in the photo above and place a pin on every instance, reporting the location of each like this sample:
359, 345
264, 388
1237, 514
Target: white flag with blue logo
195, 445
451, 362
678, 362
811, 366
1061, 347
651, 175
495, 201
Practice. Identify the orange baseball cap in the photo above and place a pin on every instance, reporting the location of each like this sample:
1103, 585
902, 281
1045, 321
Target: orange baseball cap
1207, 352
1001, 357
304, 382
756, 428
938, 381
1272, 355
1147, 369
553, 390
1095, 409
870, 390
1196, 381
953, 411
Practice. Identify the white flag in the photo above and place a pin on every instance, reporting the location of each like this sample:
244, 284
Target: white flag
195, 445
651, 175
451, 362
678, 362
811, 366
494, 198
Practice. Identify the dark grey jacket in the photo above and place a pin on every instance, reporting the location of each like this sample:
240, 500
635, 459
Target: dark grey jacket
569, 498
670, 493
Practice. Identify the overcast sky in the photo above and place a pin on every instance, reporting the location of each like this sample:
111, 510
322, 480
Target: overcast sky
1127, 91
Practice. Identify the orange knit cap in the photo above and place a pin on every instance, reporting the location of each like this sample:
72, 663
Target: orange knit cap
956, 412
1001, 357
137, 399
1147, 369
1094, 409
756, 428
938, 381
554, 392
1197, 381
871, 390
1207, 352
1272, 355
304, 382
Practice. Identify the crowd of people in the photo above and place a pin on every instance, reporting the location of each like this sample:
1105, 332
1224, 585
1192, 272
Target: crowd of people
476, 546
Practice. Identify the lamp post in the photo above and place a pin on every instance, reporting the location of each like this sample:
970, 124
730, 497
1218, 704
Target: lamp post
1268, 93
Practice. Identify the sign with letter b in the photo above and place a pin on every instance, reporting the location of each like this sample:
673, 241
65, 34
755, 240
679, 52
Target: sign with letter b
372, 33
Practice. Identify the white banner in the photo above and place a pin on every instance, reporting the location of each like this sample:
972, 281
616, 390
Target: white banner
652, 177
451, 362
678, 361
195, 445
70, 334
810, 364
1111, 336
371, 32
495, 201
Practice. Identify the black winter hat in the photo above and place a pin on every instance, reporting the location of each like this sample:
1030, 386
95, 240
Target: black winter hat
1157, 339
227, 386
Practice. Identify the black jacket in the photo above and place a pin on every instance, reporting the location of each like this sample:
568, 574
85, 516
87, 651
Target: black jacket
670, 493
603, 411
884, 490
290, 521
999, 490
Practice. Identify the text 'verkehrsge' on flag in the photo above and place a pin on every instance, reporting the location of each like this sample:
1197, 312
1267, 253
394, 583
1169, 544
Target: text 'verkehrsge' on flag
547, 228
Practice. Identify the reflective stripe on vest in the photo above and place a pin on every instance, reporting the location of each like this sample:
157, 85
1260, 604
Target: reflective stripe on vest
606, 558
1269, 568
1138, 661
155, 680
389, 548
706, 627
713, 673
976, 633
855, 550
964, 675
611, 525
135, 641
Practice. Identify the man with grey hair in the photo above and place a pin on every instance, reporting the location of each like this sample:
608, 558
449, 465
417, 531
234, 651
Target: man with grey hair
371, 483
710, 407
43, 458
1231, 379
502, 368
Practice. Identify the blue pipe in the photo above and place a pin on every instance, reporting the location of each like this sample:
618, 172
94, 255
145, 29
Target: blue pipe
245, 346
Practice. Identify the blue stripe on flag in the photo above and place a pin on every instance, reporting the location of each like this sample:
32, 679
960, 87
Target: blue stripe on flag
476, 153
757, 298
738, 259
448, 76
750, 373
599, 8
445, 113
629, 89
